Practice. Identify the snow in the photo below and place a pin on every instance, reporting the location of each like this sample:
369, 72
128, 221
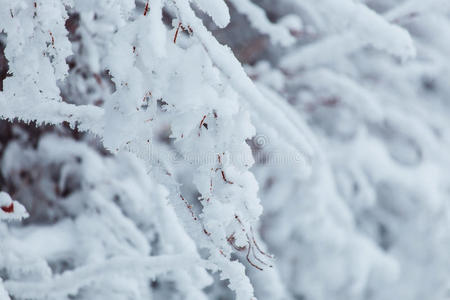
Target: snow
146, 161
70, 282
11, 210
278, 33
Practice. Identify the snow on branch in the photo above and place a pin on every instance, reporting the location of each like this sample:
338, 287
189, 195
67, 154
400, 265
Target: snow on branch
363, 28
259, 106
158, 81
151, 79
83, 117
70, 282
216, 9
11, 210
277, 33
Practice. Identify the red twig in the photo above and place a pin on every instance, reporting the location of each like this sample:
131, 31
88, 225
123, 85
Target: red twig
53, 39
256, 244
201, 123
188, 30
225, 178
248, 259
189, 207
222, 171
176, 33
258, 259
237, 218
250, 241
232, 241
146, 9
221, 252
8, 209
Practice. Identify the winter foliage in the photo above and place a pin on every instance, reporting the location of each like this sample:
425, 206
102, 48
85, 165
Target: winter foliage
142, 139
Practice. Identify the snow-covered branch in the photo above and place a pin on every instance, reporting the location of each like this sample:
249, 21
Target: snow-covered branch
70, 282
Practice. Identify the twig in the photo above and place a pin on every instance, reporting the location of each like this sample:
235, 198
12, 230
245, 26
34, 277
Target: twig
225, 179
256, 244
146, 9
248, 259
8, 209
176, 33
201, 122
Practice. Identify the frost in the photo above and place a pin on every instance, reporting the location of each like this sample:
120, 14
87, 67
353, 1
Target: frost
217, 10
211, 149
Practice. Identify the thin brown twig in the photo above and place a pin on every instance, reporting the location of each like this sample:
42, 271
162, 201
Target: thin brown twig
53, 39
258, 259
176, 33
225, 178
146, 9
189, 207
201, 122
232, 241
256, 244
248, 259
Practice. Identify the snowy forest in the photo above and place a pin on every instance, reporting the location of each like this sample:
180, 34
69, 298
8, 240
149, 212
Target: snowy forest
225, 149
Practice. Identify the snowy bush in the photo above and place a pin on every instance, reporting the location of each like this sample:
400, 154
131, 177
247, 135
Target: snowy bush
140, 152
